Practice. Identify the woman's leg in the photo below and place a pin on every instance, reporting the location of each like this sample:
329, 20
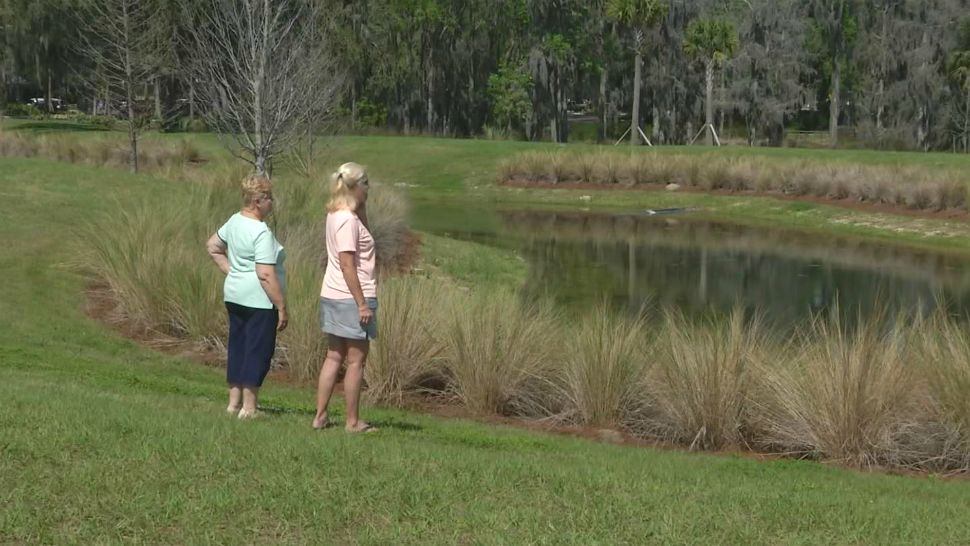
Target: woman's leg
260, 346
236, 355
357, 350
250, 396
235, 398
336, 352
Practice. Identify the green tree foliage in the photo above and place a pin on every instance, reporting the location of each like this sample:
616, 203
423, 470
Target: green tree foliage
509, 91
888, 70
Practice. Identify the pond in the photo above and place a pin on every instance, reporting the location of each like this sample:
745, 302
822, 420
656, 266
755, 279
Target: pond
696, 265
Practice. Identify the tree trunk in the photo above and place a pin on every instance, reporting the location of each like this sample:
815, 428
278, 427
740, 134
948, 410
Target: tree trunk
604, 107
353, 107
709, 103
834, 102
722, 91
430, 113
130, 97
880, 107
259, 155
158, 100
49, 98
966, 122
635, 115
191, 99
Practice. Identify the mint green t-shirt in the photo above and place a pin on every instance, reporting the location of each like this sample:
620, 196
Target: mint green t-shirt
250, 242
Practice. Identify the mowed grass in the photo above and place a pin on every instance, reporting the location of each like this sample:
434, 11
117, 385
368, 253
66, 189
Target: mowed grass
105, 441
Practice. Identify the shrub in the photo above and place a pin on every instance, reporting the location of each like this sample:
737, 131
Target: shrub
19, 110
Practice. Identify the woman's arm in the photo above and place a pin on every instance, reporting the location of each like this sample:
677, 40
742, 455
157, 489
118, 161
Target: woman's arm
216, 248
266, 274
349, 270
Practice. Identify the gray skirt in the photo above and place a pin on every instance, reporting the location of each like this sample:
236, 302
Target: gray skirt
340, 318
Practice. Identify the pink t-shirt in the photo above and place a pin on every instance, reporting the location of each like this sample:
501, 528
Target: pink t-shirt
346, 233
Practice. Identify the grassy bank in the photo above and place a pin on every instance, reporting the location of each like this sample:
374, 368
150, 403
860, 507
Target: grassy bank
459, 332
105, 441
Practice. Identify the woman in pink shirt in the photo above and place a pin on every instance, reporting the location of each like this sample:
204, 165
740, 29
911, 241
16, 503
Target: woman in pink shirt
348, 298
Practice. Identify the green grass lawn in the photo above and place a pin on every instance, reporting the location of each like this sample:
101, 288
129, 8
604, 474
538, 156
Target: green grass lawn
103, 441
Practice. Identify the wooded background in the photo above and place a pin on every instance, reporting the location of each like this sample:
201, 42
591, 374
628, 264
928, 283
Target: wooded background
885, 73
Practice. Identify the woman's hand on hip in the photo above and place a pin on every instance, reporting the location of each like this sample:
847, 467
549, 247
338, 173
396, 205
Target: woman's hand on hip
283, 321
366, 314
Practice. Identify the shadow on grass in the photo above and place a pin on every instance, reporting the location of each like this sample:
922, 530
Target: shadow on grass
56, 126
337, 413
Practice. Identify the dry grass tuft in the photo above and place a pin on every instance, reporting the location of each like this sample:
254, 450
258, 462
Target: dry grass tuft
604, 366
409, 348
850, 394
701, 380
500, 354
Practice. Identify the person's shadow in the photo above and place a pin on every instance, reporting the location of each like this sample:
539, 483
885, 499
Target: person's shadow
391, 423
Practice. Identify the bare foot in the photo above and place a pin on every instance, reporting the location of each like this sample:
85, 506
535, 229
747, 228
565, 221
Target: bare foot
321, 422
361, 427
247, 414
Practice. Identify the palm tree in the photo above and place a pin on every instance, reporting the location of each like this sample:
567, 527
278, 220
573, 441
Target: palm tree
710, 42
640, 16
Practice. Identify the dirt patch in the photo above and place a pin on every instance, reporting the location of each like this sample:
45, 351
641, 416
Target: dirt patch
848, 203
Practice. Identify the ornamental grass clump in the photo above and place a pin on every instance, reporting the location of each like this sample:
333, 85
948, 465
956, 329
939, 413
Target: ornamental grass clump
407, 356
942, 356
500, 354
606, 359
848, 395
702, 375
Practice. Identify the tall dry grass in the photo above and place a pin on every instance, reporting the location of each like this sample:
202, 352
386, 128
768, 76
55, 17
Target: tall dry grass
850, 395
898, 186
410, 349
702, 378
101, 150
499, 353
604, 366
942, 354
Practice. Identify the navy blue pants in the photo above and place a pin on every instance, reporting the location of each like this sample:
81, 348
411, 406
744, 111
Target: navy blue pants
252, 341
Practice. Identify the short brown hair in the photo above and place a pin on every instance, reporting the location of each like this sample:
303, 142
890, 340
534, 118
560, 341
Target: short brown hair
255, 186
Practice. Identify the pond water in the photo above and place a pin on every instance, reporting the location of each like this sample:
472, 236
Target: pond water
696, 265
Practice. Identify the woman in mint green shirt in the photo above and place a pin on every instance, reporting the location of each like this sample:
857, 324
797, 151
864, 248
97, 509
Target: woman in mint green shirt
246, 251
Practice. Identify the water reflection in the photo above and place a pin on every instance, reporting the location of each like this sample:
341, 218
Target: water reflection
696, 265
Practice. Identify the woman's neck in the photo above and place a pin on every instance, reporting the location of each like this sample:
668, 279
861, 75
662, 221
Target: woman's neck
251, 213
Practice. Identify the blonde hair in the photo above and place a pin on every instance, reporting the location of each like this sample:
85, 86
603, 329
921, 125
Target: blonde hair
342, 186
253, 187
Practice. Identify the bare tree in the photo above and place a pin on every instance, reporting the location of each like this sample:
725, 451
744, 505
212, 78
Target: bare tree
263, 73
116, 38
